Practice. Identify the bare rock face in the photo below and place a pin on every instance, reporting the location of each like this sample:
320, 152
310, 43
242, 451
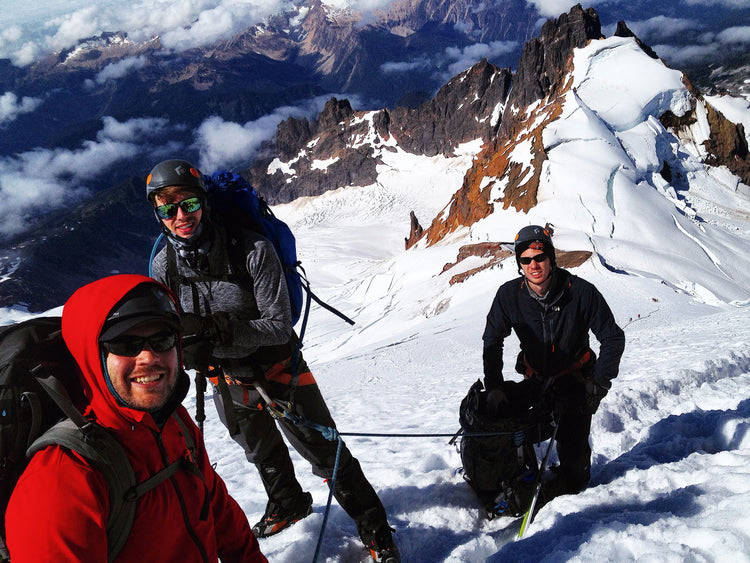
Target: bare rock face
415, 233
468, 107
727, 145
341, 147
495, 176
543, 62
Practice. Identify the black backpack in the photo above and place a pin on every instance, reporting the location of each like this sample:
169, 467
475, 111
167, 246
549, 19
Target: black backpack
40, 397
498, 456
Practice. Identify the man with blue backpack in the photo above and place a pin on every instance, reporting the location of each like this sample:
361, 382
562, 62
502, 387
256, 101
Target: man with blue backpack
238, 328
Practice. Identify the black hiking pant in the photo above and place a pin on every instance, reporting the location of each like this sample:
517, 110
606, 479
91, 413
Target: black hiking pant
566, 397
264, 446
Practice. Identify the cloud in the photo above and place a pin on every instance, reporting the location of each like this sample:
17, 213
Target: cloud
739, 34
716, 3
660, 27
406, 66
467, 57
10, 35
70, 28
708, 44
182, 24
11, 107
41, 180
555, 8
120, 68
677, 55
224, 144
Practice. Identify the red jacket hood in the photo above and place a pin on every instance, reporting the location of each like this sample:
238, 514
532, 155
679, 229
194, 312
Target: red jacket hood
83, 317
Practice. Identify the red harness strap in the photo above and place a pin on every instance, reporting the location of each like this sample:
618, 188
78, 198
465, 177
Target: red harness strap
575, 366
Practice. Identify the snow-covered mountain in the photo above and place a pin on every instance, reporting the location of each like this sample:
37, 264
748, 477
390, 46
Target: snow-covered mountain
511, 116
594, 136
671, 441
617, 154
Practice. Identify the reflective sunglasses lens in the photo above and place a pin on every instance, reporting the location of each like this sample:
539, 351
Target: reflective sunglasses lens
190, 205
167, 210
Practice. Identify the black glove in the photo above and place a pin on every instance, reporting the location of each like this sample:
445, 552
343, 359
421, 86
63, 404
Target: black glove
198, 355
595, 392
215, 328
199, 337
496, 400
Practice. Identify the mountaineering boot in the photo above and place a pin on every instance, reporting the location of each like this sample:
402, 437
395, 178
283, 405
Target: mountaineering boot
278, 518
380, 544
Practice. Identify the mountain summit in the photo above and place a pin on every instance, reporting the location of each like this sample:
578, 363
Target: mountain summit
595, 136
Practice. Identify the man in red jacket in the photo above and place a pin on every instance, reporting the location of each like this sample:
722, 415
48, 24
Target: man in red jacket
123, 332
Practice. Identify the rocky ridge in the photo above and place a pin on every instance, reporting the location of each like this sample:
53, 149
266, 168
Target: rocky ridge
507, 111
539, 86
341, 146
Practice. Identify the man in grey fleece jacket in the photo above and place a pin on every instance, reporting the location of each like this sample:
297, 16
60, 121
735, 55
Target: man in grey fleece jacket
241, 321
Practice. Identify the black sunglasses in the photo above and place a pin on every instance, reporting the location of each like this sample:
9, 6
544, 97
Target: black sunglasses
130, 346
538, 258
189, 205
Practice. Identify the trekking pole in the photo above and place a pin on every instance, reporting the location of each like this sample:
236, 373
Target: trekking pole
200, 400
528, 517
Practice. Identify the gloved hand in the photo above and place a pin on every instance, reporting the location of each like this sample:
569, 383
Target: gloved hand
595, 392
214, 328
496, 400
199, 337
197, 355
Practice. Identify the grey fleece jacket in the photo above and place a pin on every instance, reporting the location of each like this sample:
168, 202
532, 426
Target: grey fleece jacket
259, 315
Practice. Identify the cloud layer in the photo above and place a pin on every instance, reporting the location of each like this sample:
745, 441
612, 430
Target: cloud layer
11, 106
40, 180
181, 24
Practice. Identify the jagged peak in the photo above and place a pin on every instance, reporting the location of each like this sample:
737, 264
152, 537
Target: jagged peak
623, 30
542, 64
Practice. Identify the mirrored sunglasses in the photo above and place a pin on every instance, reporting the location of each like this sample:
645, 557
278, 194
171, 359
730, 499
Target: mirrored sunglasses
130, 346
538, 258
189, 205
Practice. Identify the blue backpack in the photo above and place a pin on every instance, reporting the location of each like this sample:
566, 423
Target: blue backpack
235, 202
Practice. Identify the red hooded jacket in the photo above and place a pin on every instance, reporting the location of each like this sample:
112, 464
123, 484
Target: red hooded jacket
59, 508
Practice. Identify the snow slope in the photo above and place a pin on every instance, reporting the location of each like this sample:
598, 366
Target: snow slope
671, 465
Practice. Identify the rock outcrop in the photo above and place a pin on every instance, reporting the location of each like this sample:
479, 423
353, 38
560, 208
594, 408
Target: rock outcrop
498, 176
341, 147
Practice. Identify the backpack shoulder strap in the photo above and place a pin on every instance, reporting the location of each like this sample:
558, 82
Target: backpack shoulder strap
172, 281
106, 455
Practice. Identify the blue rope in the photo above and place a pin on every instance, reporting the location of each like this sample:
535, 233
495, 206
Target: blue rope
330, 434
331, 485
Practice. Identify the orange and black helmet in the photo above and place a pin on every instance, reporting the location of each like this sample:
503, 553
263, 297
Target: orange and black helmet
174, 173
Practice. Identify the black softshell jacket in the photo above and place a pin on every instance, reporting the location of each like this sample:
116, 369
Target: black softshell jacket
553, 333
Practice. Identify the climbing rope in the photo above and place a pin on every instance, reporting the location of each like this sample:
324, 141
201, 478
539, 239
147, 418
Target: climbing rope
332, 434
